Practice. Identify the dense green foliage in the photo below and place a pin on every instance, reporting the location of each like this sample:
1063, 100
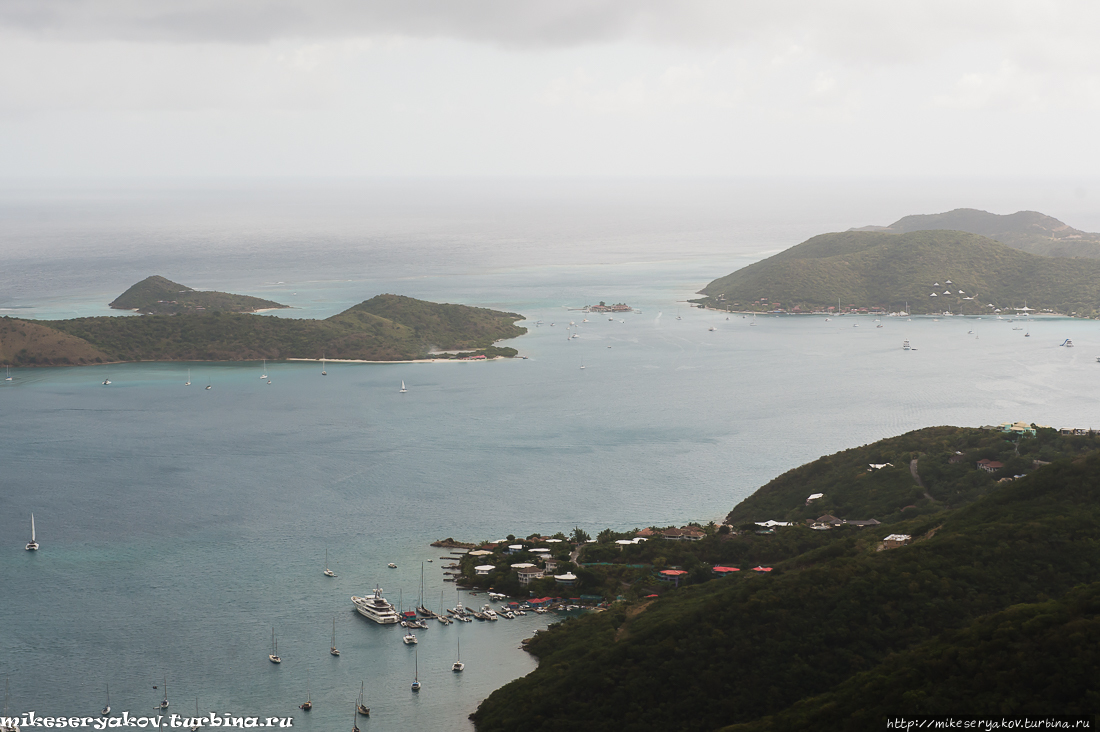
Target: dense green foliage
852, 490
1030, 659
750, 646
1029, 231
163, 297
875, 269
409, 329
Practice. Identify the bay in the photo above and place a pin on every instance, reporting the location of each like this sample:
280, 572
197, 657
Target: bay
179, 525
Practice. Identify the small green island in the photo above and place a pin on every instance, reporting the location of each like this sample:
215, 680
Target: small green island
190, 325
919, 266
944, 571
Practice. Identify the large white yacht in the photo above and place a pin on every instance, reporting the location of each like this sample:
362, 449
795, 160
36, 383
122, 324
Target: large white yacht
375, 607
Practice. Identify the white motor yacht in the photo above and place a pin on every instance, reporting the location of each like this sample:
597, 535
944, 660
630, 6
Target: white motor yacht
375, 607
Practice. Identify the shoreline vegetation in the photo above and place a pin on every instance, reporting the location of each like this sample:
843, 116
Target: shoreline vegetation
955, 549
385, 329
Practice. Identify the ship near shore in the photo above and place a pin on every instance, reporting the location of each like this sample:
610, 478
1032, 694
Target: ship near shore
375, 607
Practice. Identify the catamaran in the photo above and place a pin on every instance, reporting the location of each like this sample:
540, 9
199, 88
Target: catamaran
458, 665
32, 545
274, 655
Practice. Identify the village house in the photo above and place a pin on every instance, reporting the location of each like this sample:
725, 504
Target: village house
989, 466
893, 541
527, 575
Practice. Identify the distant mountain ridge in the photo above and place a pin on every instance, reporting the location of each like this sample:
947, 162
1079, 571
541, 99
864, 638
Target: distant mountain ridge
1029, 231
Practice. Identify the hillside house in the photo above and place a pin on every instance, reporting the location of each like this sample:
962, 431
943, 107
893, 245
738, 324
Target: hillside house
893, 541
989, 466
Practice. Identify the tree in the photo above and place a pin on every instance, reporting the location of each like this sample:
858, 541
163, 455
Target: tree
580, 536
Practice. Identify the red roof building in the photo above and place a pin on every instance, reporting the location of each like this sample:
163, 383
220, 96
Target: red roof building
725, 571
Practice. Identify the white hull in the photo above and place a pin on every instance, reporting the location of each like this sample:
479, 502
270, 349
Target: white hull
374, 607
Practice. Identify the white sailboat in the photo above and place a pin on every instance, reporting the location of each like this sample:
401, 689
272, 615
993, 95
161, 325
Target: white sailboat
8, 376
32, 545
264, 374
188, 382
458, 665
328, 572
334, 650
197, 723
403, 389
164, 704
107, 708
274, 655
416, 677
323, 372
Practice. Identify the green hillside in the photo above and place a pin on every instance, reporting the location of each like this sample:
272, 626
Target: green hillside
847, 625
1029, 231
409, 329
875, 269
160, 296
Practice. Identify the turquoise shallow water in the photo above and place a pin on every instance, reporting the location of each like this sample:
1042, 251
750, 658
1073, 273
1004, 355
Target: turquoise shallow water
179, 525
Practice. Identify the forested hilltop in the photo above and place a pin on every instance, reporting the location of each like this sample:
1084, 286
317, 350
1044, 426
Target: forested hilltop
1029, 231
384, 328
989, 606
926, 271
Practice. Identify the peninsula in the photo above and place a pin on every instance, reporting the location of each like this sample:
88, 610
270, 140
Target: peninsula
921, 271
384, 328
948, 570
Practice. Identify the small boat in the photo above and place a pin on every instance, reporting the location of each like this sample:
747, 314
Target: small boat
107, 707
391, 565
458, 665
209, 386
409, 639
197, 723
328, 572
32, 545
8, 374
1067, 343
905, 345
188, 382
403, 390
1027, 334
712, 328
274, 655
164, 704
264, 374
360, 707
308, 703
334, 650
323, 372
416, 677
106, 382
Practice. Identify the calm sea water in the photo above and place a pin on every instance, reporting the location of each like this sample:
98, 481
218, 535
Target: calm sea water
179, 525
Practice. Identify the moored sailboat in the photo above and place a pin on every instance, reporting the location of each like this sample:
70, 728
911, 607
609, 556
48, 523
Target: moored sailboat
328, 572
107, 707
458, 665
274, 655
32, 545
360, 705
334, 651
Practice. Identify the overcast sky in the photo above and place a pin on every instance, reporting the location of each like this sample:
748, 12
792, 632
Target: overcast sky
563, 87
